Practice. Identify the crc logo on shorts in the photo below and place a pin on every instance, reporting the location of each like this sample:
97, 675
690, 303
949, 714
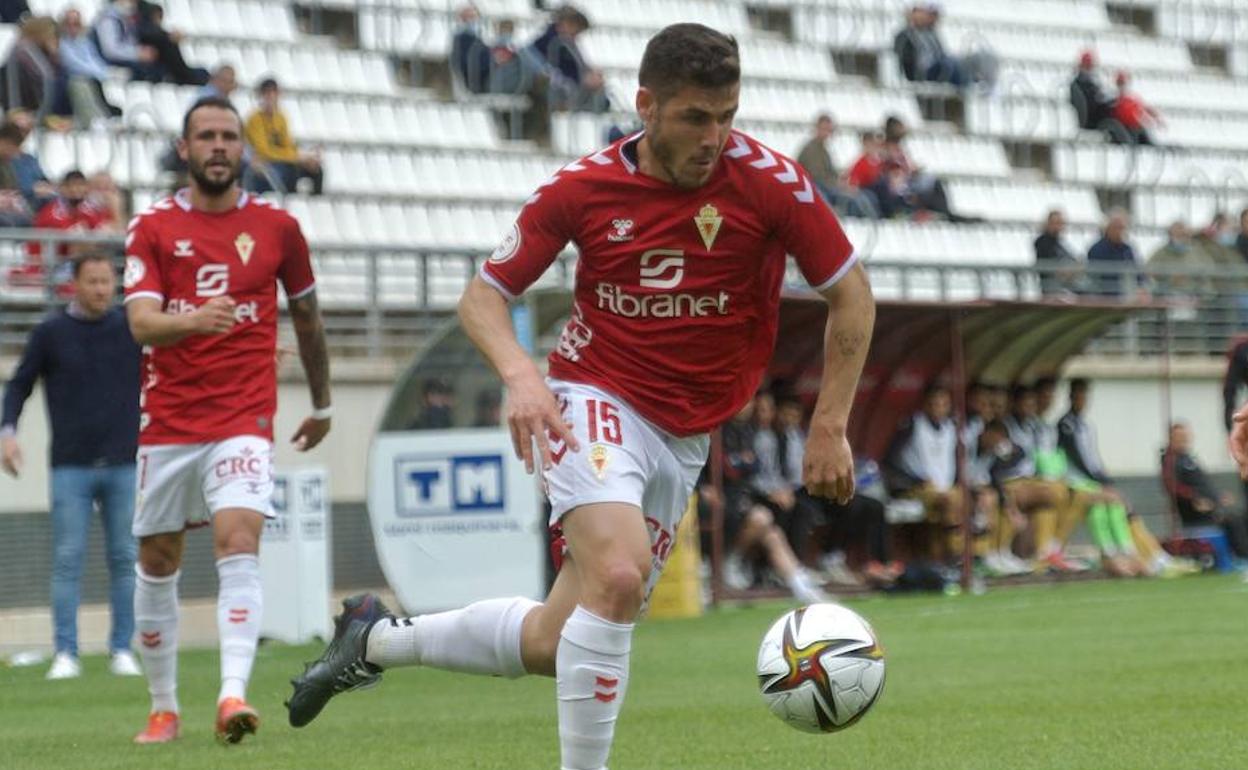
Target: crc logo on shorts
448, 486
510, 245
247, 465
212, 280
135, 271
662, 268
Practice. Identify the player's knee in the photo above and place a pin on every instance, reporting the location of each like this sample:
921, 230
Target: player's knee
236, 543
621, 585
157, 563
759, 516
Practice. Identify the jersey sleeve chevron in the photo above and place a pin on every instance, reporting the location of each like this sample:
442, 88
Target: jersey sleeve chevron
804, 222
539, 233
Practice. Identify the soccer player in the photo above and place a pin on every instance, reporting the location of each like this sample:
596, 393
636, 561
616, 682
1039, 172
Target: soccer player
201, 280
682, 230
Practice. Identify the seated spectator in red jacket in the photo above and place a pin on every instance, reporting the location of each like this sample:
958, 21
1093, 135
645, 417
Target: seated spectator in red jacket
1134, 115
69, 211
866, 170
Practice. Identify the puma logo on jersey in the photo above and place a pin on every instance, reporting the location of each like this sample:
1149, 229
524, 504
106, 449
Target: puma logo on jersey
182, 248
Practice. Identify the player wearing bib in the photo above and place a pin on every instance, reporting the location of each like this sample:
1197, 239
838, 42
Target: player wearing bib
201, 278
682, 231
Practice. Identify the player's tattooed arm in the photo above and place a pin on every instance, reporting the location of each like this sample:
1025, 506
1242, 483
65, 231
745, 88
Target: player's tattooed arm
305, 313
828, 467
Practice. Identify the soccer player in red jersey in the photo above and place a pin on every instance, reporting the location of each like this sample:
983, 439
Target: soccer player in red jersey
201, 278
683, 231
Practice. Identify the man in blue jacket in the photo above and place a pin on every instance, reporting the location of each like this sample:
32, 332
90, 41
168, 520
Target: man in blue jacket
89, 364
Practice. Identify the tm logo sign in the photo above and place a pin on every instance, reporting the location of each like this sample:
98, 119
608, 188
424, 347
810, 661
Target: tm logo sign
447, 486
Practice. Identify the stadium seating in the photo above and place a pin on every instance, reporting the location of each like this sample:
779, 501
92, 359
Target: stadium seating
406, 168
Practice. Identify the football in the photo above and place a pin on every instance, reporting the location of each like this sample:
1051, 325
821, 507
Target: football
820, 668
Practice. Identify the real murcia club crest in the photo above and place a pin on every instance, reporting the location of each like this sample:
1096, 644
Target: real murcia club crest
244, 244
598, 460
708, 221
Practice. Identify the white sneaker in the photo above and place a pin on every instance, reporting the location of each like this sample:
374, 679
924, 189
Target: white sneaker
64, 666
1015, 565
124, 664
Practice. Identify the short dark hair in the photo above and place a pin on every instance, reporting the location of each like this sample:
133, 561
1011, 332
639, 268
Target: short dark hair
268, 84
689, 54
892, 124
1021, 390
1080, 385
73, 175
1046, 382
11, 132
89, 256
208, 101
934, 389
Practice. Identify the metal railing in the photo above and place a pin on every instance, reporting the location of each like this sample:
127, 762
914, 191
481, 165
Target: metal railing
381, 301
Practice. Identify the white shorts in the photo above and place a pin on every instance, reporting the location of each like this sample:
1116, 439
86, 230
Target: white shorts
623, 459
182, 485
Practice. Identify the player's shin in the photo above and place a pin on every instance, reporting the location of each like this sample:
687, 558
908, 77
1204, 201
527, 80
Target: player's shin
592, 676
482, 638
240, 601
156, 620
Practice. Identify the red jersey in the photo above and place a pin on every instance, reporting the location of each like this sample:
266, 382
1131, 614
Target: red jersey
865, 171
59, 215
677, 290
213, 387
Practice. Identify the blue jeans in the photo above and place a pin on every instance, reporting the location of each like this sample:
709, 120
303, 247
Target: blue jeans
75, 492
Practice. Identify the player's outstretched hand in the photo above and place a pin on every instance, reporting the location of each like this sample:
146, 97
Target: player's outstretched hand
216, 316
828, 467
311, 432
1239, 440
11, 456
533, 415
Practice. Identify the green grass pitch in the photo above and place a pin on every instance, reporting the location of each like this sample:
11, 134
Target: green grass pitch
1094, 676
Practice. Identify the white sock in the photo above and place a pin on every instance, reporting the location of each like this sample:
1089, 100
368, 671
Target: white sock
482, 638
591, 676
156, 620
240, 601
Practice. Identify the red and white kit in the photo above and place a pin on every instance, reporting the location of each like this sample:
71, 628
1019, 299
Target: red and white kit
208, 401
676, 307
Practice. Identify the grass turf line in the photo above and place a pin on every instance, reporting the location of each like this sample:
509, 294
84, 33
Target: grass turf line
1087, 676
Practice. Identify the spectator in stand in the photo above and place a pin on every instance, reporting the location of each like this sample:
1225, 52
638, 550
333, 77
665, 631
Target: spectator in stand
571, 84
750, 530
1061, 269
1132, 113
104, 194
1217, 240
86, 71
71, 212
1179, 251
470, 56
921, 55
1093, 106
1241, 240
31, 179
488, 409
904, 188
12, 11
870, 164
15, 210
117, 36
1196, 500
89, 364
167, 44
817, 160
33, 78
1114, 253
221, 84
922, 464
275, 156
